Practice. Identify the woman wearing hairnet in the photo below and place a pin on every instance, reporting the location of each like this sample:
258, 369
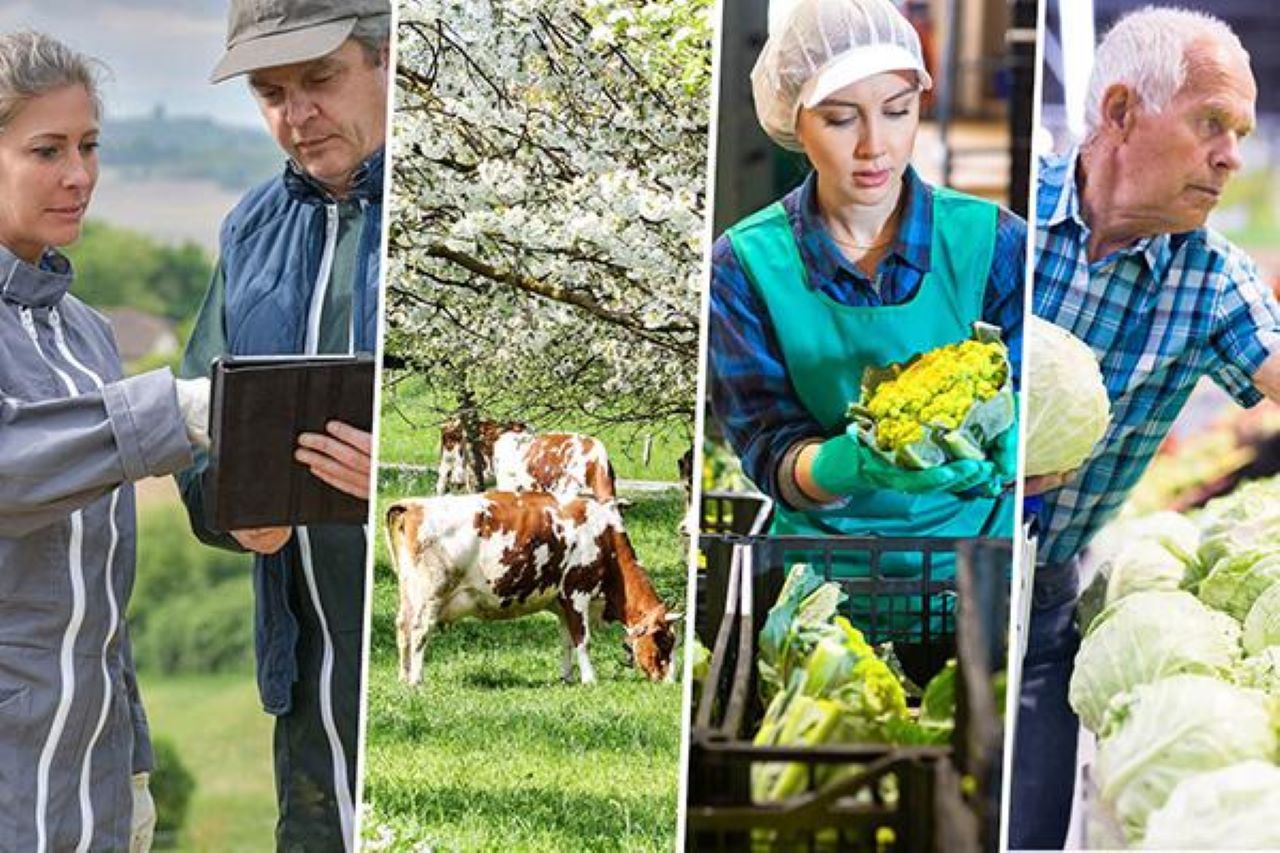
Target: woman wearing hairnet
864, 264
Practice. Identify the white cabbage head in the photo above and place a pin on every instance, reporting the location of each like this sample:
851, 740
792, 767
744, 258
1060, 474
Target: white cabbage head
1232, 808
1174, 729
1144, 637
1067, 407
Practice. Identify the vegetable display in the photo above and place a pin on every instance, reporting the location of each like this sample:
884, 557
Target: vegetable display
1067, 407
1188, 470
1179, 673
945, 404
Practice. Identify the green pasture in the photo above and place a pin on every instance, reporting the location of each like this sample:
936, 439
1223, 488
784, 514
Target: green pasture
224, 739
191, 623
410, 434
493, 752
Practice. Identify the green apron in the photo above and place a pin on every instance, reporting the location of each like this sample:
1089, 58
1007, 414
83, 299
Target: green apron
826, 345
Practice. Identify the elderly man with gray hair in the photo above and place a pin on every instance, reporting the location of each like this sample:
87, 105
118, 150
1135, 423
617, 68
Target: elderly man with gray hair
1124, 262
298, 273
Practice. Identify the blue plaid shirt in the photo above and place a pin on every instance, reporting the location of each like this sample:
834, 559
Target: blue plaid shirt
1159, 314
751, 394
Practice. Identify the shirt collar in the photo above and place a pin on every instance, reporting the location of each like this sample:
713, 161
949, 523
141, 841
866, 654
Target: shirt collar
822, 255
366, 182
34, 286
1060, 195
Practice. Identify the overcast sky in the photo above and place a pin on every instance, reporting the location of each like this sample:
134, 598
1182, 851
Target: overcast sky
159, 51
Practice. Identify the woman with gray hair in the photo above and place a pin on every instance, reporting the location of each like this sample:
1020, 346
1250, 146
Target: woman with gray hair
74, 435
863, 265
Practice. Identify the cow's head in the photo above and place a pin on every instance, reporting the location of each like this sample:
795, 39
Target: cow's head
652, 641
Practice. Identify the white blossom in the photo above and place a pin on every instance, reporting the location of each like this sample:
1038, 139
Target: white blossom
547, 210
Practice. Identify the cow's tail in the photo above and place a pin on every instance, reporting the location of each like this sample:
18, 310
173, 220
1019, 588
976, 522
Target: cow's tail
395, 533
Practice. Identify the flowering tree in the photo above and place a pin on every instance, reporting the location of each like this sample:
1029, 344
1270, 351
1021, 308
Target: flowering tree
547, 214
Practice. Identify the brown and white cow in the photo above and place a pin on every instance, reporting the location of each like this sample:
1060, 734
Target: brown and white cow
565, 464
501, 555
455, 469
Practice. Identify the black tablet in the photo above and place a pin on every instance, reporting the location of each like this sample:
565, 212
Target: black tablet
259, 406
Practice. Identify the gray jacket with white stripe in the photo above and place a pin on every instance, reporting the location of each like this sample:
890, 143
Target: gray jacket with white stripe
73, 436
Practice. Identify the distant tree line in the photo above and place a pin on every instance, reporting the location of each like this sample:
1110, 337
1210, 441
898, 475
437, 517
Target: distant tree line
117, 267
190, 147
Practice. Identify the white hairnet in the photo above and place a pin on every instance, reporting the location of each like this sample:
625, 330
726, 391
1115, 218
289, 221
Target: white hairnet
822, 46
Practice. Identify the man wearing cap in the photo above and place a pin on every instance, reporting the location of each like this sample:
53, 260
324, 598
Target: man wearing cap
1124, 261
298, 273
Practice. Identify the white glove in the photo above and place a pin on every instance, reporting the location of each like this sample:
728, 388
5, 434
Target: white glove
193, 400
143, 825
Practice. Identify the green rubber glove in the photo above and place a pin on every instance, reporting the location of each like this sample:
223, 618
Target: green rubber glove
844, 465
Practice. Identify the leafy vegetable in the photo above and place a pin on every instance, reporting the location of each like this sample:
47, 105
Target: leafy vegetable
1171, 730
798, 721
701, 668
1141, 565
1262, 625
788, 636
822, 681
1144, 637
938, 708
1176, 533
948, 403
1232, 808
1068, 411
1254, 499
1235, 583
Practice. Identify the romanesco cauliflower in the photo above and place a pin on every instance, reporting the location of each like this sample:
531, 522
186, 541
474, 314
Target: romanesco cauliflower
944, 404
937, 390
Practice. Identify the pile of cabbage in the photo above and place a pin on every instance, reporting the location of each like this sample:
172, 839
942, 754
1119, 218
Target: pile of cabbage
945, 404
1178, 674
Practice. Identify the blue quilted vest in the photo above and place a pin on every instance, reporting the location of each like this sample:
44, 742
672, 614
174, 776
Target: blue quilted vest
272, 244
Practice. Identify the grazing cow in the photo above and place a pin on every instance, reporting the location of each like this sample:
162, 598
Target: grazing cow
563, 463
501, 555
454, 468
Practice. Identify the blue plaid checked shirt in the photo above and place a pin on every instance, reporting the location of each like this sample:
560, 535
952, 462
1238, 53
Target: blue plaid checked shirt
1159, 314
751, 395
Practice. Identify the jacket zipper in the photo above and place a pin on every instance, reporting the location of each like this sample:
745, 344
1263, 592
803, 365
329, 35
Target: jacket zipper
321, 288
66, 653
113, 609
346, 811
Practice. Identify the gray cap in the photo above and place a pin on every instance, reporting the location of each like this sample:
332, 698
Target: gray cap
266, 33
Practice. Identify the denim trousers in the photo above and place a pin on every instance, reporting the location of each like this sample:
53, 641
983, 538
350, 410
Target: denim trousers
1044, 750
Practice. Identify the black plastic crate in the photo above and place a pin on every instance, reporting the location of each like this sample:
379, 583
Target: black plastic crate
723, 513
929, 812
734, 512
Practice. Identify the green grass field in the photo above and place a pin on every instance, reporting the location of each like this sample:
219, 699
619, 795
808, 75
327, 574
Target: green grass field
493, 752
410, 434
224, 740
